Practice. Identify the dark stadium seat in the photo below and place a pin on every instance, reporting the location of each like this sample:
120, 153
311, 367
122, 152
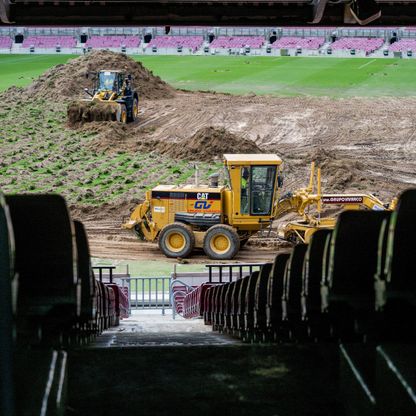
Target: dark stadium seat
86, 277
8, 288
221, 306
46, 264
213, 292
226, 319
352, 266
260, 301
399, 310
248, 322
292, 288
234, 305
217, 307
208, 305
311, 284
274, 296
241, 302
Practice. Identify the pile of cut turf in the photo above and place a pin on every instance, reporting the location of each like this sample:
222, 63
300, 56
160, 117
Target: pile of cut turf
208, 143
65, 82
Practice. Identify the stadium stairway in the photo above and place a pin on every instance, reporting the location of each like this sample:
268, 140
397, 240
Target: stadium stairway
235, 379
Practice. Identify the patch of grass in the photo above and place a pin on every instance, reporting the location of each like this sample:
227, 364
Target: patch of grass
287, 76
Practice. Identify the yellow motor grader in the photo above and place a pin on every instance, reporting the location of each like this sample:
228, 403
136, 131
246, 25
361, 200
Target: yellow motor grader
220, 219
113, 98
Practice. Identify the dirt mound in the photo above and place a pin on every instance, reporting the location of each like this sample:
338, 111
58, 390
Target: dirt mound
208, 143
339, 173
66, 81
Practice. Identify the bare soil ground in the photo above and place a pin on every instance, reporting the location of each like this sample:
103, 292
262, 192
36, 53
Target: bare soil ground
362, 145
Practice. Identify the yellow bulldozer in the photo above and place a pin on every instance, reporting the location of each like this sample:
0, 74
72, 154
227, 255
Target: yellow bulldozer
220, 219
112, 98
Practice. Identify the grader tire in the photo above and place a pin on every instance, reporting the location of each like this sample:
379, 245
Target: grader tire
176, 240
221, 242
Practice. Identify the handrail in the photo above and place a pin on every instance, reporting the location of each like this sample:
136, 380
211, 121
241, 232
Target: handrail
230, 267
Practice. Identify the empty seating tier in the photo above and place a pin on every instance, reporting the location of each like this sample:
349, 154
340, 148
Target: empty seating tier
191, 42
97, 42
233, 42
368, 45
403, 45
5, 42
47, 42
297, 42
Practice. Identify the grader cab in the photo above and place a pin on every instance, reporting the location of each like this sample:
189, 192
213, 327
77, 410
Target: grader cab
217, 219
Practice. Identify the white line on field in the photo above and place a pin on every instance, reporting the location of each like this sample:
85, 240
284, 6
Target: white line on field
367, 63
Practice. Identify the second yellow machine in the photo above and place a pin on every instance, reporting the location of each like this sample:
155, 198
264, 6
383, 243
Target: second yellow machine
218, 219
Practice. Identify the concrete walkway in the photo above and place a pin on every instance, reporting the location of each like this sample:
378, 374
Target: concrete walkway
151, 328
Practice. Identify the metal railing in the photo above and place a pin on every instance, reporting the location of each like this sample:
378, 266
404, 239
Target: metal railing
227, 272
148, 293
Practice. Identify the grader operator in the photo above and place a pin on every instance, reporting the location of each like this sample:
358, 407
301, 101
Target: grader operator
220, 219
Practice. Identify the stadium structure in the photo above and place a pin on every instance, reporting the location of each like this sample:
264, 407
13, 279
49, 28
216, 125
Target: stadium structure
330, 41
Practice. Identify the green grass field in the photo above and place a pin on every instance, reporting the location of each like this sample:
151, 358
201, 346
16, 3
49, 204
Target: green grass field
260, 75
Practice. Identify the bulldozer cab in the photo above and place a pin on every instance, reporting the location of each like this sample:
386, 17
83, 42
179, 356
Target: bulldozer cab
254, 181
110, 81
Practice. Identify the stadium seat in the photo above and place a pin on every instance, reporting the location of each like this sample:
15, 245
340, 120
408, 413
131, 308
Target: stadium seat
86, 277
235, 306
247, 326
208, 305
352, 266
274, 296
226, 320
48, 300
292, 322
260, 301
241, 302
8, 288
221, 306
399, 309
311, 285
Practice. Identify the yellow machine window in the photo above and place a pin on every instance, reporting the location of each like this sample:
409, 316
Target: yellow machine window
245, 190
108, 81
262, 182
